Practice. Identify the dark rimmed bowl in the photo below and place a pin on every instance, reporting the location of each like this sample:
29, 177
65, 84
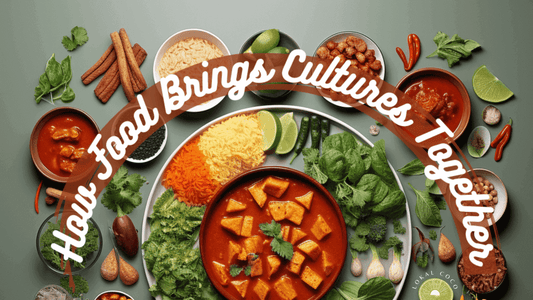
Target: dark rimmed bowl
495, 288
284, 41
92, 257
259, 173
410, 78
35, 137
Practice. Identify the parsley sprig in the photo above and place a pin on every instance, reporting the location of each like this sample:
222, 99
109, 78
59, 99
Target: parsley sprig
279, 246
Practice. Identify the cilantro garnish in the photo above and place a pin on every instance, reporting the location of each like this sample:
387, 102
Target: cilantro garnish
122, 193
279, 246
235, 270
79, 37
248, 270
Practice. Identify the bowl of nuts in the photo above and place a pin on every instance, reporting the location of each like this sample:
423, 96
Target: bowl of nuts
489, 183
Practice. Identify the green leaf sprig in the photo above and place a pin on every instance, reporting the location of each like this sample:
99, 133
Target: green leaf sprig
453, 49
426, 209
56, 78
414, 167
122, 193
79, 37
279, 246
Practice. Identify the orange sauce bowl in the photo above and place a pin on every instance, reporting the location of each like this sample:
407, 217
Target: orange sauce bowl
439, 82
44, 151
215, 239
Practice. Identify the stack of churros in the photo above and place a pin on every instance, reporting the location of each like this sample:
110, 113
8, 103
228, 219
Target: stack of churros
120, 63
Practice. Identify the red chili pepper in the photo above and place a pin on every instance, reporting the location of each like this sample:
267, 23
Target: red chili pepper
501, 140
37, 197
402, 56
411, 52
414, 52
417, 47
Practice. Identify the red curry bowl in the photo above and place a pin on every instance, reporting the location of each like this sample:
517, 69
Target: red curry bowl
213, 244
34, 138
463, 110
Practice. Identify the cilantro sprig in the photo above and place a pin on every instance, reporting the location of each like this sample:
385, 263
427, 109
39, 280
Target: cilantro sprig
235, 270
79, 37
122, 193
279, 246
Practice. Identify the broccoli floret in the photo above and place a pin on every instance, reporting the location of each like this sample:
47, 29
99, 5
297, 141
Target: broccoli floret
378, 229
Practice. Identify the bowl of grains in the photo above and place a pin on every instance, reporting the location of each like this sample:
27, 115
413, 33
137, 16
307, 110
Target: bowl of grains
489, 183
187, 48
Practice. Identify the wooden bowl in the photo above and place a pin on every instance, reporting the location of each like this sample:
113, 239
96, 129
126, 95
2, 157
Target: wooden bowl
214, 240
35, 136
412, 77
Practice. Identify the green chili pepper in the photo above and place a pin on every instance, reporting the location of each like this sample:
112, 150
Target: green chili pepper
324, 128
302, 137
315, 132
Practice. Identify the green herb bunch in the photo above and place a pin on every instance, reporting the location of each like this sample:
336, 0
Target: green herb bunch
278, 244
55, 81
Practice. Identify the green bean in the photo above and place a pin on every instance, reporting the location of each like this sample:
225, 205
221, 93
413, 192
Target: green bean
324, 129
315, 132
302, 137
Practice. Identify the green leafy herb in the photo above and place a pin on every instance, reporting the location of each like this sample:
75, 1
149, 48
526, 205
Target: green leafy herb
378, 288
398, 228
81, 285
379, 124
55, 81
453, 49
169, 253
433, 234
414, 167
426, 210
380, 165
358, 243
79, 37
248, 270
235, 270
422, 261
48, 238
280, 246
122, 193
441, 204
433, 187
311, 157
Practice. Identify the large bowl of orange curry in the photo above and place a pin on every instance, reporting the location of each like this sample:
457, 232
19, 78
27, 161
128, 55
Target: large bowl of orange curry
237, 244
59, 140
442, 95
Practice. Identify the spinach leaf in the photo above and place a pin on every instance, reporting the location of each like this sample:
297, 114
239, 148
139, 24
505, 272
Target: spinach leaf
351, 287
68, 95
333, 294
453, 49
393, 206
380, 164
53, 71
426, 210
356, 166
66, 69
415, 167
433, 187
378, 288
380, 192
333, 164
368, 183
43, 88
341, 142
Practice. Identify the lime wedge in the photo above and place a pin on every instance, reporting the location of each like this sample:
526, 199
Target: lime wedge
488, 87
270, 128
289, 134
266, 41
435, 289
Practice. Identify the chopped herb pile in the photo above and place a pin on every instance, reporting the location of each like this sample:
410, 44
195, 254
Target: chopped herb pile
453, 49
122, 193
48, 238
55, 81
279, 246
433, 235
82, 286
169, 253
79, 37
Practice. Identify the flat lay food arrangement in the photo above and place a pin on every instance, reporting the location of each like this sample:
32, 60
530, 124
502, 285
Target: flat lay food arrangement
275, 198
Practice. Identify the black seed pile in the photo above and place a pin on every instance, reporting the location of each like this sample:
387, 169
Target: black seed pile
150, 146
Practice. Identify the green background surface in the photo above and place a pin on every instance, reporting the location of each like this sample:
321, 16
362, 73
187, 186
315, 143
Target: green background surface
30, 31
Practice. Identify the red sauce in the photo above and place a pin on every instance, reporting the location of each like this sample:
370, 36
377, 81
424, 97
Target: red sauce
49, 148
217, 243
440, 97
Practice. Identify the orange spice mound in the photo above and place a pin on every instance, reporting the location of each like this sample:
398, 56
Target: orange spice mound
189, 177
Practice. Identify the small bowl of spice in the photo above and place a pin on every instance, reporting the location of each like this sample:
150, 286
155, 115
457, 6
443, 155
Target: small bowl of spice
52, 292
151, 147
484, 283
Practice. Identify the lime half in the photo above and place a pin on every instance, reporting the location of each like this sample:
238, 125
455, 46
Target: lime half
270, 128
289, 134
488, 87
435, 289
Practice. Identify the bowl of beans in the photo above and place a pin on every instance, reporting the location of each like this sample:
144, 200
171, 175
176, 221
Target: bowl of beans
489, 183
113, 295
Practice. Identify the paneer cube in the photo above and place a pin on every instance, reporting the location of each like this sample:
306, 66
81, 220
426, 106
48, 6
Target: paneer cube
297, 235
234, 206
253, 244
320, 228
258, 194
241, 286
294, 213
242, 255
296, 263
221, 272
233, 225
233, 249
256, 265
305, 200
285, 230
310, 248
277, 209
327, 264
273, 264
247, 226
261, 289
285, 289
275, 186
311, 277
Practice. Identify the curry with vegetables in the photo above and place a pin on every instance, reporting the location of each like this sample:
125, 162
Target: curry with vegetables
273, 238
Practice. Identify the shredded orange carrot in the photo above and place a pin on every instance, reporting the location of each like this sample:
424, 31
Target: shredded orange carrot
189, 177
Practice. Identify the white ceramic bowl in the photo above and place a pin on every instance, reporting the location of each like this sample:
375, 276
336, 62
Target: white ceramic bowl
500, 207
341, 36
184, 34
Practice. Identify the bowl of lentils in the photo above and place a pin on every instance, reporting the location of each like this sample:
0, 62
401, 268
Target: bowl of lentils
151, 147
